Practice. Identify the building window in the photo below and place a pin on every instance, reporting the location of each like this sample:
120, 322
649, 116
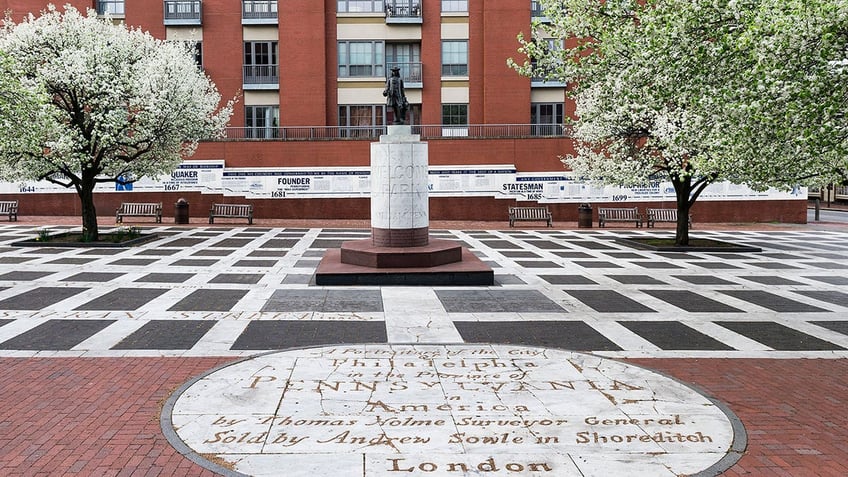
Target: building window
260, 62
454, 120
454, 5
407, 57
361, 59
111, 7
360, 6
546, 119
362, 120
454, 57
261, 122
198, 54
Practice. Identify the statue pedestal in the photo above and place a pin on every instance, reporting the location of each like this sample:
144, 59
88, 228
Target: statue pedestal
400, 251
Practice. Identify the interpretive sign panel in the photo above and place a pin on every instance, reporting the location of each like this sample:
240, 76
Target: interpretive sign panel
415, 410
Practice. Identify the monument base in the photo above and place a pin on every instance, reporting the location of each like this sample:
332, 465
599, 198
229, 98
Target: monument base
409, 267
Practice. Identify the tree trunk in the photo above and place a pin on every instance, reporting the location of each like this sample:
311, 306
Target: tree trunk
682, 190
85, 190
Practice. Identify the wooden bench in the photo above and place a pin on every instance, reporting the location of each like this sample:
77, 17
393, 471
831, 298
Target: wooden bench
231, 211
530, 214
10, 208
664, 215
139, 209
627, 214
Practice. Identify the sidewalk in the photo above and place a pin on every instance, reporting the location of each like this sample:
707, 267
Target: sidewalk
93, 342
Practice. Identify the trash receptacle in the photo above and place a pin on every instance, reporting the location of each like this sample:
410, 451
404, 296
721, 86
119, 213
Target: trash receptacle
181, 211
584, 216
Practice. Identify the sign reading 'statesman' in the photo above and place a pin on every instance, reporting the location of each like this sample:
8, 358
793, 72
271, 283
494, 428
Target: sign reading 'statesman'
383, 410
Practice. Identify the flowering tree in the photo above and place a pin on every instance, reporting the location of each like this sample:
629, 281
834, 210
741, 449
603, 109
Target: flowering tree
697, 91
116, 104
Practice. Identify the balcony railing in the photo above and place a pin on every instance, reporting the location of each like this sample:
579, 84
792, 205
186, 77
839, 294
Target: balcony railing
182, 12
332, 133
261, 76
113, 8
410, 73
403, 11
258, 11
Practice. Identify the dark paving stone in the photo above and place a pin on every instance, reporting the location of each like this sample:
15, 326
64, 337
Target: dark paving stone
123, 299
771, 280
773, 245
5, 322
313, 253
92, 277
296, 279
835, 297
56, 335
773, 265
730, 256
547, 244
519, 254
210, 233
238, 278
608, 301
306, 263
656, 265
827, 265
716, 265
166, 334
837, 326
194, 262
231, 243
268, 335
47, 251
678, 256
184, 242
39, 298
15, 260
501, 244
572, 335
567, 280
673, 335
771, 301
279, 243
165, 277
255, 263
574, 255
508, 280
327, 243
209, 300
164, 252
496, 301
779, 337
134, 262
354, 301
597, 264
830, 280
537, 264
71, 261
23, 276
781, 256
103, 251
692, 302
268, 253
831, 256
213, 252
592, 245
624, 255
492, 263
636, 280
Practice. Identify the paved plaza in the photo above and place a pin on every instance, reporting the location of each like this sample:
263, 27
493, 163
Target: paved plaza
94, 341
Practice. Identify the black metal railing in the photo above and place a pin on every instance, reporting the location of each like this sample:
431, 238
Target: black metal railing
111, 7
403, 8
261, 74
259, 9
410, 72
182, 10
330, 133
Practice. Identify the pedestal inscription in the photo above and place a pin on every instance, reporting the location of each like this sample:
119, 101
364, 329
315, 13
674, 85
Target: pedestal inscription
391, 410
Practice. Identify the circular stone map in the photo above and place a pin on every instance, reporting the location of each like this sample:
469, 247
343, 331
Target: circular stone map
448, 410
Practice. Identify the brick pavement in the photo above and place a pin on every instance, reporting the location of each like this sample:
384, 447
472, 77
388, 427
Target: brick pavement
67, 415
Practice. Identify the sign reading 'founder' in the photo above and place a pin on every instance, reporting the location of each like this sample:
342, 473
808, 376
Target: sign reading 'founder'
403, 410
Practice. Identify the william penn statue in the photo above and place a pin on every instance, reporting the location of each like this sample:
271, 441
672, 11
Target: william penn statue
396, 97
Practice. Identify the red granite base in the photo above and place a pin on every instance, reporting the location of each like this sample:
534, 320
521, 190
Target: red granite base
470, 271
434, 253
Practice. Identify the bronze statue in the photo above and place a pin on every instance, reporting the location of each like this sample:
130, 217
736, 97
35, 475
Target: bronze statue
396, 97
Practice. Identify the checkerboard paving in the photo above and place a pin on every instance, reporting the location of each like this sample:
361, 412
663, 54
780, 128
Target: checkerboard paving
234, 291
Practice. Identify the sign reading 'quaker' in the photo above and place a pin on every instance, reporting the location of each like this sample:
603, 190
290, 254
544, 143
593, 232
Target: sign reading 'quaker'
391, 410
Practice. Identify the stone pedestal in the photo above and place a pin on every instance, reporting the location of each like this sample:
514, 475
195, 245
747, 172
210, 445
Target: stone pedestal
400, 207
400, 251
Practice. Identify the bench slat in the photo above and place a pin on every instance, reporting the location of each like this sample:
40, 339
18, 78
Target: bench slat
231, 211
530, 214
664, 215
619, 214
139, 209
10, 208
